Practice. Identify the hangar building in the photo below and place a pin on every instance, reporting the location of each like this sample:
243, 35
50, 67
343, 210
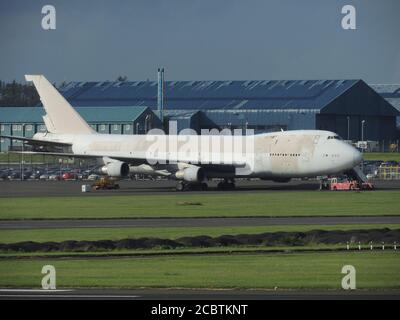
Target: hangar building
26, 121
391, 93
130, 107
335, 105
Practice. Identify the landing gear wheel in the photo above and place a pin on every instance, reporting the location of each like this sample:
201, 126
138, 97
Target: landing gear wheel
226, 185
185, 186
180, 186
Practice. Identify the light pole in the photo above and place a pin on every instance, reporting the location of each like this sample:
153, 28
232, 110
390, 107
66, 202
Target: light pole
137, 128
22, 154
348, 128
362, 130
146, 123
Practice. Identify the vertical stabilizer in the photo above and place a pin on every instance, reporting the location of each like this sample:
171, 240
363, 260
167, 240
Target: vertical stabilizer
60, 117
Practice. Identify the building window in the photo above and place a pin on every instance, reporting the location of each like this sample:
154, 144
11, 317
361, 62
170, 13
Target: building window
3, 127
127, 127
116, 127
17, 127
102, 127
29, 127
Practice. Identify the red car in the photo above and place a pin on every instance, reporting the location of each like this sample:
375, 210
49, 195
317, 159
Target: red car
69, 176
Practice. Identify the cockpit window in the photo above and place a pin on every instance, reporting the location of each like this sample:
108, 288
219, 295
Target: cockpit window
335, 137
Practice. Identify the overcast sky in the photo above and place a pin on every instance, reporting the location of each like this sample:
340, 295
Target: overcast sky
201, 40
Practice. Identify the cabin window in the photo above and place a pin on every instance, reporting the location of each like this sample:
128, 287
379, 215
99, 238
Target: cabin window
335, 137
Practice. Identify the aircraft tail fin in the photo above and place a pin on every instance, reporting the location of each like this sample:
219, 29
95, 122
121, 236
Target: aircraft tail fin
60, 117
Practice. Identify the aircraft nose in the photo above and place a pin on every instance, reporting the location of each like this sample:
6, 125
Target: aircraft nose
351, 156
357, 157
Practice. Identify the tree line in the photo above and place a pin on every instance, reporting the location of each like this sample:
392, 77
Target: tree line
16, 94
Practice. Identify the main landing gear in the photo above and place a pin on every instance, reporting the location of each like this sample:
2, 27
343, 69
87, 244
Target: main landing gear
187, 186
227, 184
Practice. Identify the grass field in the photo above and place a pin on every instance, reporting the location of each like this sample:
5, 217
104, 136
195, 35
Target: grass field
195, 251
91, 234
304, 203
321, 270
384, 156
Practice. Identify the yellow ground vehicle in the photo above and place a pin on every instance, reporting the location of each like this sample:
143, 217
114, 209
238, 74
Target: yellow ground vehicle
105, 183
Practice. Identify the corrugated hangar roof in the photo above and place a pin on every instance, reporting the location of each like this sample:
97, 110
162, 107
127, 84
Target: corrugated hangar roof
181, 114
90, 114
391, 92
208, 95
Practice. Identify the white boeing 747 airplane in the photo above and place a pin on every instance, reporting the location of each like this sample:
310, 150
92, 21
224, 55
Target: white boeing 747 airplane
277, 156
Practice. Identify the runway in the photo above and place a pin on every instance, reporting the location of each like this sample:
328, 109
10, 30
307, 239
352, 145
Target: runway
196, 294
29, 188
73, 188
193, 222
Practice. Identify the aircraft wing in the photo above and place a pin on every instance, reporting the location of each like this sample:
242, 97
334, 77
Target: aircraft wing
131, 160
62, 149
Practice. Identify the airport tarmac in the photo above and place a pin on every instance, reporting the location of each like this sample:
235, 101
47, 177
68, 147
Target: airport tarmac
190, 222
196, 294
30, 188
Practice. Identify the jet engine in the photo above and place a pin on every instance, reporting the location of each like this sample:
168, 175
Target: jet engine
115, 169
190, 174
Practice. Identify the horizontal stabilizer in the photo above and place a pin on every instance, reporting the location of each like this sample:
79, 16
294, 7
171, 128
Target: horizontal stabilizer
33, 141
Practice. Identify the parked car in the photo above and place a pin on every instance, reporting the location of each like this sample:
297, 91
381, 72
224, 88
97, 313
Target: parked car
4, 175
390, 163
82, 176
35, 175
14, 175
94, 177
69, 176
55, 177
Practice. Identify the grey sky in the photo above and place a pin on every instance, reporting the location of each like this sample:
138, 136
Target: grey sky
201, 40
